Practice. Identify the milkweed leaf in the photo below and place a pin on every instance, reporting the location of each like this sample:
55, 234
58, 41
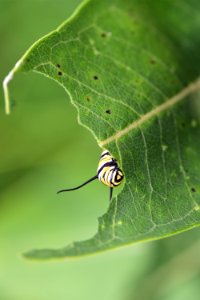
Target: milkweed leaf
131, 69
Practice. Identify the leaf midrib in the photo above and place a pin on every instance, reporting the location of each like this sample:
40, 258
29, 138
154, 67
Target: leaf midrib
188, 90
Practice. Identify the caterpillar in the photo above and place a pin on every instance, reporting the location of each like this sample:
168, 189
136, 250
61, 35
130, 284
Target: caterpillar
108, 172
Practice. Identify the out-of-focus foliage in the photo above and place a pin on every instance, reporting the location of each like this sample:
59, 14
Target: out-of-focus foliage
40, 153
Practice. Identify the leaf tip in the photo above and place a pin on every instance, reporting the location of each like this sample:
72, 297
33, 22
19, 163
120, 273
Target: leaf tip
37, 254
44, 254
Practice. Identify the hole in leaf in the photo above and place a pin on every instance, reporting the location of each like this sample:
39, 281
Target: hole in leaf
193, 189
87, 98
108, 111
104, 34
60, 73
95, 77
58, 65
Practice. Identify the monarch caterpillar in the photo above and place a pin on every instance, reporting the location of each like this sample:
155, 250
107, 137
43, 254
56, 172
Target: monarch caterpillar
108, 172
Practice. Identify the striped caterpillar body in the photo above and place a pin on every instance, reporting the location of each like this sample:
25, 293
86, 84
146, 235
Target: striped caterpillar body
108, 173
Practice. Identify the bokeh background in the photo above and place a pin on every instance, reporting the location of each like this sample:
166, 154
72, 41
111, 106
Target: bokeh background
43, 149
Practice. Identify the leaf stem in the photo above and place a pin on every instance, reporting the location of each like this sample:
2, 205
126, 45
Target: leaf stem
6, 81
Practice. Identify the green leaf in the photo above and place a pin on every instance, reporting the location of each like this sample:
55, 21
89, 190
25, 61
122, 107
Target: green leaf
131, 69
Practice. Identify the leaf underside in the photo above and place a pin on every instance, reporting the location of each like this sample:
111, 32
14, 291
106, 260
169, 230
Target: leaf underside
120, 60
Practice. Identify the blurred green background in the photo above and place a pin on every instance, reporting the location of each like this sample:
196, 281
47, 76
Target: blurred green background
43, 149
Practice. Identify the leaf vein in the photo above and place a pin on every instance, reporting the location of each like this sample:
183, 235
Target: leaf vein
191, 88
